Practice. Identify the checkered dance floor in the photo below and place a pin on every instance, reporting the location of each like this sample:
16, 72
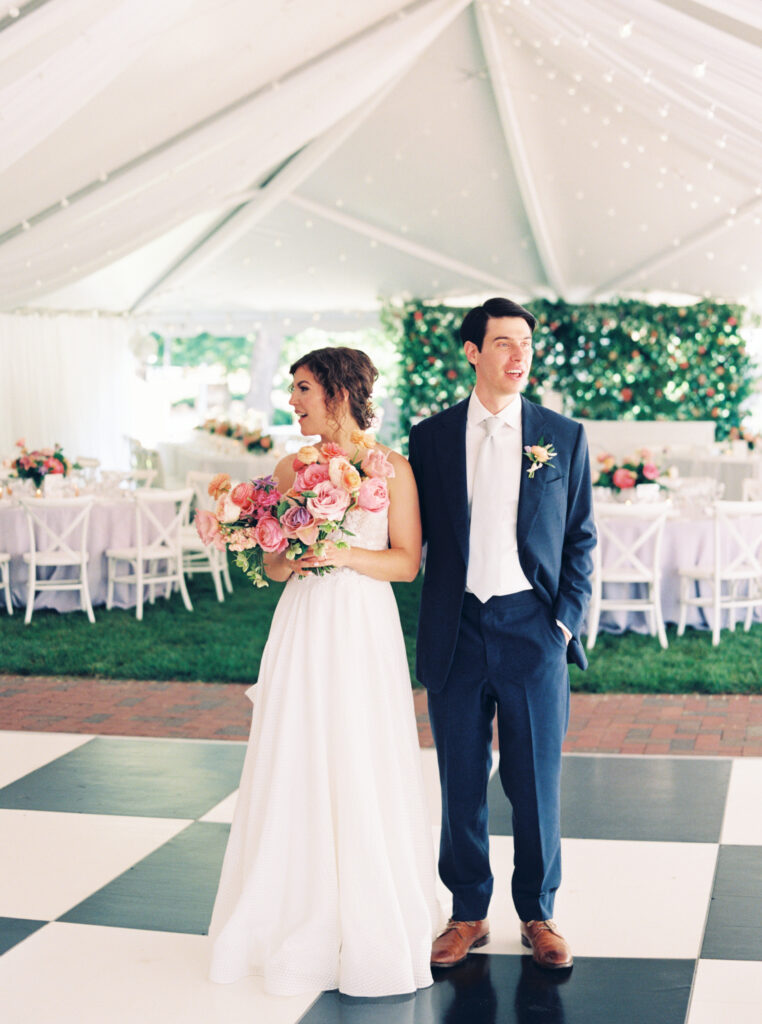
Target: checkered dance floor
110, 851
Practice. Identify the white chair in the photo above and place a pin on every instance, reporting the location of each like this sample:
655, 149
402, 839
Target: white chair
5, 579
752, 489
136, 478
197, 557
633, 536
157, 556
52, 548
734, 574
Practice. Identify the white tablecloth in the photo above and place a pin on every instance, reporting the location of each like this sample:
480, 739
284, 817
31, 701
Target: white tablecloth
178, 460
688, 541
112, 524
729, 470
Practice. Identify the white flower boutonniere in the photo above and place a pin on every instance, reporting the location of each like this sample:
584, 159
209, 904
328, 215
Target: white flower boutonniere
539, 455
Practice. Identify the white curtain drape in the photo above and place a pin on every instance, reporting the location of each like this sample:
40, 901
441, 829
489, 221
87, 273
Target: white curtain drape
66, 379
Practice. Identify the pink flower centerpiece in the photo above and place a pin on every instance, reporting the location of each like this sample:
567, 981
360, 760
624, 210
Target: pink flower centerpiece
38, 464
639, 468
253, 518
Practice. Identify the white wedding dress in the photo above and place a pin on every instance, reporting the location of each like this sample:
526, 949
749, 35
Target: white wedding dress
329, 877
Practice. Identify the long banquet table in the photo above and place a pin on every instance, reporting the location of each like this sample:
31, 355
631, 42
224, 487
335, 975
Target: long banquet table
112, 524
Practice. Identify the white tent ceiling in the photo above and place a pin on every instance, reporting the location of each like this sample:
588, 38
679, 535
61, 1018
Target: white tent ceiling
230, 157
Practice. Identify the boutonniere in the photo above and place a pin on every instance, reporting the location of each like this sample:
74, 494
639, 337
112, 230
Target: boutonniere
539, 455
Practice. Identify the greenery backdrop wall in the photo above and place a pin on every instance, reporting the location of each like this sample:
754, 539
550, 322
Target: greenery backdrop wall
624, 360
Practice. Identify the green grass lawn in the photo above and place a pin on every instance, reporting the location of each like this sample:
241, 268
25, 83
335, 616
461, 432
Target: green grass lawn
223, 643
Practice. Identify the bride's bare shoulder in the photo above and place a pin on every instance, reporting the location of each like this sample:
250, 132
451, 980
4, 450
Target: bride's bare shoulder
284, 472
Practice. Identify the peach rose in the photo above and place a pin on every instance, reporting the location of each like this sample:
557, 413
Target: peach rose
362, 439
376, 463
227, 511
219, 485
343, 474
21, 443
308, 454
539, 453
329, 503
373, 495
269, 535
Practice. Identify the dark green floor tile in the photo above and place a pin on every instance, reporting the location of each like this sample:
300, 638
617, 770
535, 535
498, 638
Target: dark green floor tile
171, 890
637, 798
14, 929
734, 926
153, 778
511, 990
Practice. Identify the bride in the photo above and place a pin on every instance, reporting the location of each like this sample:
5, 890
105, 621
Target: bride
329, 879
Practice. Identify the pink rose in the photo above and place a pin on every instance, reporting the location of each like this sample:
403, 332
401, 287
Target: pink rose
21, 443
309, 477
207, 526
374, 494
650, 471
269, 535
624, 478
299, 522
329, 503
331, 450
244, 495
376, 463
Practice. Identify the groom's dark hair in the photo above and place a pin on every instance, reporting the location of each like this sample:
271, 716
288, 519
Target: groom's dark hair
474, 324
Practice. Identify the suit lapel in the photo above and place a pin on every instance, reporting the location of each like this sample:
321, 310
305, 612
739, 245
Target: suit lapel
530, 490
451, 460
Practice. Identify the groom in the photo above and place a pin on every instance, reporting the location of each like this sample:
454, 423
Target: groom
510, 534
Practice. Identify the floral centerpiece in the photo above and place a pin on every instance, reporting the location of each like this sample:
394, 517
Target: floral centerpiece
621, 476
38, 464
252, 440
254, 518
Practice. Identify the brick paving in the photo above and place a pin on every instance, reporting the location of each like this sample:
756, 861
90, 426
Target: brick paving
729, 726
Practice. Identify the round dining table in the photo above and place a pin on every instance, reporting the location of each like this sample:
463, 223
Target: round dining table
688, 541
112, 524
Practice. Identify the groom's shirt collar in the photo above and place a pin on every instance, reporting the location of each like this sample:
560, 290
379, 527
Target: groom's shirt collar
510, 415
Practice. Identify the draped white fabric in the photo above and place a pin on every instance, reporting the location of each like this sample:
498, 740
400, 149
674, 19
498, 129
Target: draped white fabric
66, 379
203, 170
49, 93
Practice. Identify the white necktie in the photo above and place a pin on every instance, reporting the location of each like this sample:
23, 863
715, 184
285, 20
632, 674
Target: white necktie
483, 563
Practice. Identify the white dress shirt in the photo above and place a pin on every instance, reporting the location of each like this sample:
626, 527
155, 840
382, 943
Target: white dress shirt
511, 578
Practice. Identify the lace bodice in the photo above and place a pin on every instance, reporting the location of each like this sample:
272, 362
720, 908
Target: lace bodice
370, 529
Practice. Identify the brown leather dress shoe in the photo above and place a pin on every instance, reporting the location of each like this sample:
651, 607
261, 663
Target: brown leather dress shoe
549, 949
457, 940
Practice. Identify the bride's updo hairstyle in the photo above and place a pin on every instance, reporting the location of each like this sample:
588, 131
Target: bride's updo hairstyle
343, 369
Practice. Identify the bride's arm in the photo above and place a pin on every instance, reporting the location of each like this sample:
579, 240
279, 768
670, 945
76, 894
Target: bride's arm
402, 559
277, 567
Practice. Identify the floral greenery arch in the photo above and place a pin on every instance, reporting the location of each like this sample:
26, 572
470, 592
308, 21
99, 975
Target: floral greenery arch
619, 360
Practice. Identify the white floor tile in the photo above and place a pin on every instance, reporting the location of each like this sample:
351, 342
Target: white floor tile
743, 822
82, 974
50, 861
727, 990
223, 811
618, 899
23, 752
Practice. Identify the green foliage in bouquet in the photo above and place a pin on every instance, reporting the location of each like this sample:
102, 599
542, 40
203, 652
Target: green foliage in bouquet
619, 360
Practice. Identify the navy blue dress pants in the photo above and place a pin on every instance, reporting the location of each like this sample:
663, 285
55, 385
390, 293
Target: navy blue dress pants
510, 656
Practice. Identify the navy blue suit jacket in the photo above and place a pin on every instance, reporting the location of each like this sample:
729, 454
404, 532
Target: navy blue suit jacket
555, 528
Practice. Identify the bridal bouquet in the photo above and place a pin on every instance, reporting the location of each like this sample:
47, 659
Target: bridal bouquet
253, 518
38, 464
